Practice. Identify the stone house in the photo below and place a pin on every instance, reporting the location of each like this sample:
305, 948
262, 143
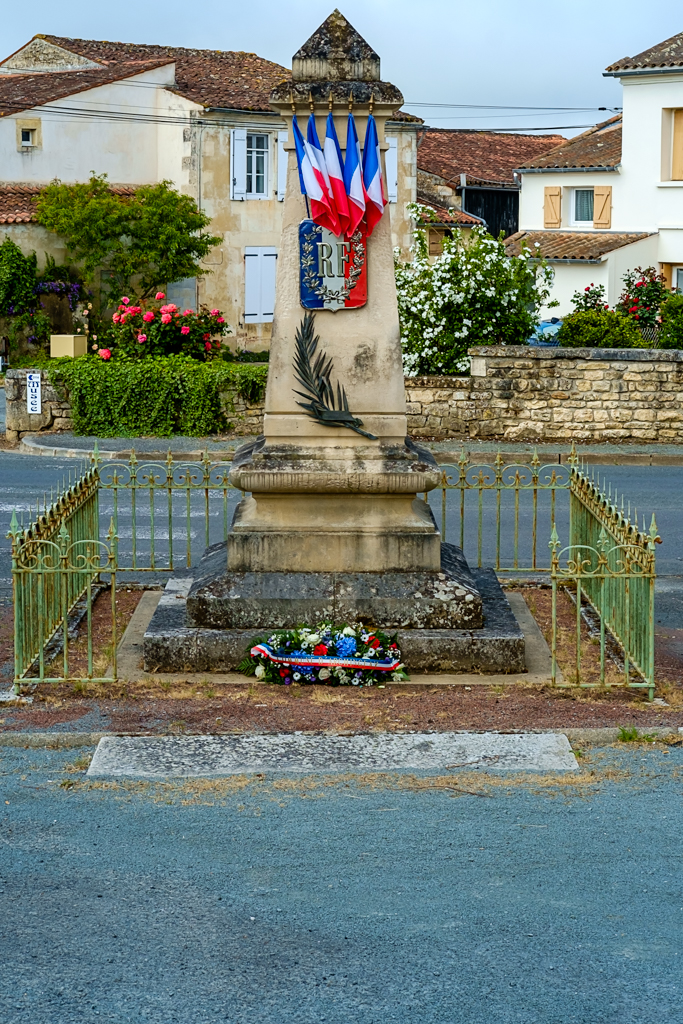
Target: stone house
611, 199
199, 118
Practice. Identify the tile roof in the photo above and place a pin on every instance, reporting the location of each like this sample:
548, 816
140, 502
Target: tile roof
446, 214
598, 147
668, 54
213, 78
17, 201
571, 245
485, 157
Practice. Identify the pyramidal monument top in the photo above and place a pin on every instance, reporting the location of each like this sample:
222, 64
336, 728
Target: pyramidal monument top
336, 52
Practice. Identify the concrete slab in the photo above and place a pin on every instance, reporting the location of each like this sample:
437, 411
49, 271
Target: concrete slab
163, 757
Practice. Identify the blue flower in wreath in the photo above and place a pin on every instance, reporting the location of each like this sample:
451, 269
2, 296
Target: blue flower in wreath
299, 668
346, 646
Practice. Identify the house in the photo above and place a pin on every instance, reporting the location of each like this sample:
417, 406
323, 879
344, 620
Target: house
199, 118
611, 199
468, 177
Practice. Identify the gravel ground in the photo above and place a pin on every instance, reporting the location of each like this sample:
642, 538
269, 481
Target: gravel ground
469, 898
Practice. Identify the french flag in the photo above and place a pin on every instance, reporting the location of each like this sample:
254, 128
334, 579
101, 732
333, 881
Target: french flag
335, 170
353, 177
372, 176
314, 149
312, 181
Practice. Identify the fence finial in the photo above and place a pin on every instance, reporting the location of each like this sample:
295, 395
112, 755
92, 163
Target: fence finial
95, 457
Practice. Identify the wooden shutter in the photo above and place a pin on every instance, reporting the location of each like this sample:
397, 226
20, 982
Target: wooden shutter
282, 160
602, 206
391, 165
238, 163
677, 146
552, 206
435, 242
260, 262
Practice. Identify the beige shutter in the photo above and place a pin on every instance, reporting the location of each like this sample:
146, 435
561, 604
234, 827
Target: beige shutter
552, 206
602, 206
677, 147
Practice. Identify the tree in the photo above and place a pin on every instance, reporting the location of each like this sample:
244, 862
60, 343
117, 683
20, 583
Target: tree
141, 240
472, 294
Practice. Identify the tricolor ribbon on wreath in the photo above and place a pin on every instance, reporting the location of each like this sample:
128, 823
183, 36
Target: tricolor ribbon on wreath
341, 194
324, 661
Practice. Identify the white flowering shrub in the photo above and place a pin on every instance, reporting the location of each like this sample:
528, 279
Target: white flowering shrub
472, 294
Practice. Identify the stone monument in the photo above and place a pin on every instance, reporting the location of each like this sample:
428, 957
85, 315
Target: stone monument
334, 524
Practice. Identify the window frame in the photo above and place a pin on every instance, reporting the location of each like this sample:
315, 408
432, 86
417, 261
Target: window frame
266, 170
573, 222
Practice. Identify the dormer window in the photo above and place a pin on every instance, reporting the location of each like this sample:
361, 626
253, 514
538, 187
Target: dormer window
582, 207
28, 137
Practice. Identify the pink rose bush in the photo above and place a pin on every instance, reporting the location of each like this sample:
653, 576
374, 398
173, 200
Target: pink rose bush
161, 330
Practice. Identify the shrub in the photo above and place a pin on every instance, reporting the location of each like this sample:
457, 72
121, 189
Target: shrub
592, 297
643, 294
159, 396
671, 335
158, 330
473, 293
599, 328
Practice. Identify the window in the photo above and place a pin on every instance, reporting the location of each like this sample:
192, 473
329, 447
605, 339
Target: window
391, 165
583, 206
257, 165
28, 136
249, 170
259, 284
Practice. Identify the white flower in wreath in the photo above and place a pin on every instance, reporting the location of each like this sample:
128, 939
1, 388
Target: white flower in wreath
370, 653
324, 673
296, 676
260, 672
313, 639
348, 631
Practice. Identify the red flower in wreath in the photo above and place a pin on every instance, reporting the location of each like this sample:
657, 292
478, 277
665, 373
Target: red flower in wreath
320, 649
373, 642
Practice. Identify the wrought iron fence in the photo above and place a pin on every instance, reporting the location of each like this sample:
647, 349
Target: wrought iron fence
162, 515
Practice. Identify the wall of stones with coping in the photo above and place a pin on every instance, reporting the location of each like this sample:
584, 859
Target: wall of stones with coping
513, 393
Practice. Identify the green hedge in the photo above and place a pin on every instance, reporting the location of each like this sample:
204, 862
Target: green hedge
158, 396
599, 328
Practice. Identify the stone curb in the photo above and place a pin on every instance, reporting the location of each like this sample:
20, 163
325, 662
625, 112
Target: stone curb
66, 740
30, 445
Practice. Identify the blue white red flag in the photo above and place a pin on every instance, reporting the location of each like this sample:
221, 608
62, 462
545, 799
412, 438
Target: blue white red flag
353, 177
311, 179
372, 177
335, 170
327, 217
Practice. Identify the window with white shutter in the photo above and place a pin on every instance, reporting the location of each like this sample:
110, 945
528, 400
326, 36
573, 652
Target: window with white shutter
238, 163
282, 160
260, 262
391, 165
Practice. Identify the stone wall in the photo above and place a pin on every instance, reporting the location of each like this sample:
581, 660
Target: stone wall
548, 394
55, 415
514, 393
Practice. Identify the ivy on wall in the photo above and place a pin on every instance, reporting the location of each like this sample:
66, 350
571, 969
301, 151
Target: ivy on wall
157, 397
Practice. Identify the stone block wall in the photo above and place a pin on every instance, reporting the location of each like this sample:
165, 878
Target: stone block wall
514, 393
552, 394
55, 415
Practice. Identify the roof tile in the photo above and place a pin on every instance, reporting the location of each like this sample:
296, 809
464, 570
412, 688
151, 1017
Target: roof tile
485, 157
598, 147
570, 245
17, 201
668, 54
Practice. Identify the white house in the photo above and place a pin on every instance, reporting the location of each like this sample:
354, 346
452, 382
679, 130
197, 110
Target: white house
612, 199
199, 118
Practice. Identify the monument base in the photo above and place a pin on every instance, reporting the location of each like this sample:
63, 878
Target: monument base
172, 643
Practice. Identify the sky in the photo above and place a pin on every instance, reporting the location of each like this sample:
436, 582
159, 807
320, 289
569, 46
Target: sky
484, 59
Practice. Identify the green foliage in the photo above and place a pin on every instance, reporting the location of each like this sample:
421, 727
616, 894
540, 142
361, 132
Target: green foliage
592, 297
599, 328
18, 274
159, 396
137, 332
141, 241
472, 294
671, 335
644, 291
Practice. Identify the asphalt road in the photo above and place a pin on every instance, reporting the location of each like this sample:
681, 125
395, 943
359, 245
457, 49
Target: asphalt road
658, 489
266, 902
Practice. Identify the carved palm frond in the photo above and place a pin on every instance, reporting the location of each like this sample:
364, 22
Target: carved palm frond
312, 369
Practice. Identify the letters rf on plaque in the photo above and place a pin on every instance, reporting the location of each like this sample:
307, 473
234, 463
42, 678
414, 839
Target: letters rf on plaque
333, 270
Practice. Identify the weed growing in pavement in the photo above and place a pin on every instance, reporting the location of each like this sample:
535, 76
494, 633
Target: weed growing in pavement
630, 734
81, 764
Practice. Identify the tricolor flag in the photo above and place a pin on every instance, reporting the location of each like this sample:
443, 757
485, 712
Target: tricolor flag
353, 177
372, 177
312, 181
335, 170
315, 151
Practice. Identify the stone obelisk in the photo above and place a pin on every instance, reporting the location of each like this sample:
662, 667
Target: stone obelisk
325, 498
